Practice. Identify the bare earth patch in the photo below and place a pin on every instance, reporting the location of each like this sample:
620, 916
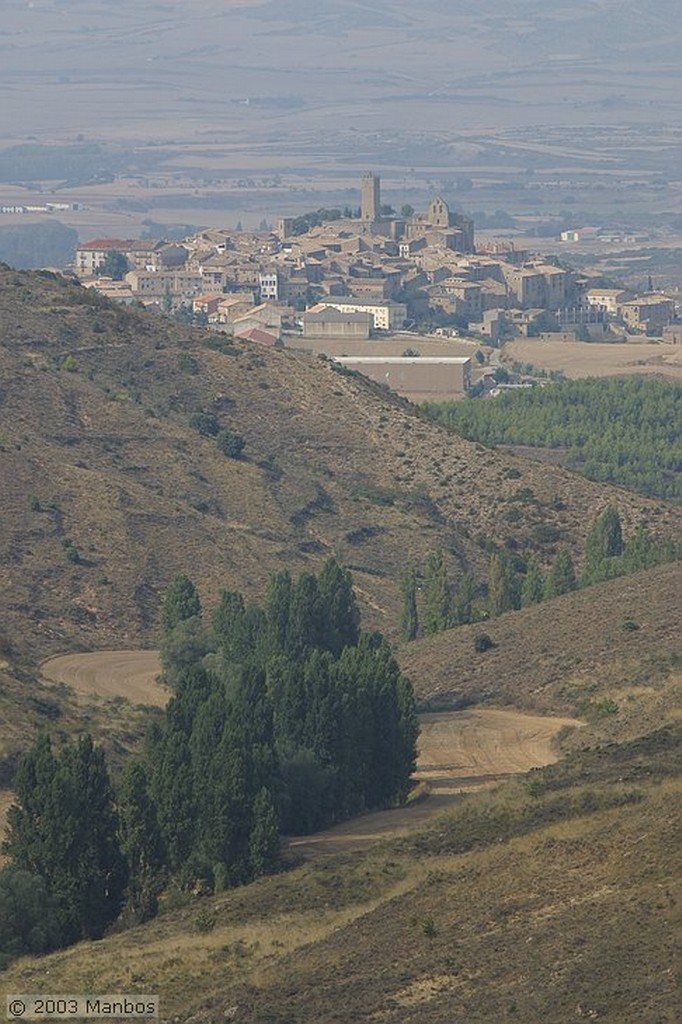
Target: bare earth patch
580, 359
458, 751
130, 674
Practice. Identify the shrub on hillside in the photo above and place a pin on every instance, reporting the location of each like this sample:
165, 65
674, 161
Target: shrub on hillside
230, 443
205, 422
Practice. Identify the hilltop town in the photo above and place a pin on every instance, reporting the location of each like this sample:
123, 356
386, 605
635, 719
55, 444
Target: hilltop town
348, 276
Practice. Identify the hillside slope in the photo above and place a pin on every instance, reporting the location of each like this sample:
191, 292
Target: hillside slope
617, 640
108, 492
555, 897
547, 904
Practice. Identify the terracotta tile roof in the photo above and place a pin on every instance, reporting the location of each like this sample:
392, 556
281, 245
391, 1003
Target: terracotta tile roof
108, 243
262, 337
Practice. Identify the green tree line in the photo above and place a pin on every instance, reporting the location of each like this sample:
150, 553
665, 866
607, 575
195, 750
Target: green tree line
284, 717
618, 430
515, 582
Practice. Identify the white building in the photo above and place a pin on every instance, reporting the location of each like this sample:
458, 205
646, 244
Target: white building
386, 315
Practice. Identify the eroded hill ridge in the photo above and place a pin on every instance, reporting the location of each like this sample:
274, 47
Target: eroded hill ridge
110, 490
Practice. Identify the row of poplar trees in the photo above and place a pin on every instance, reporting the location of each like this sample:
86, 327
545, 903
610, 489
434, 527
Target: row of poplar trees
516, 583
284, 718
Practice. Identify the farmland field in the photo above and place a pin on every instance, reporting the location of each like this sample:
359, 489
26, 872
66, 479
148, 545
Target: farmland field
580, 359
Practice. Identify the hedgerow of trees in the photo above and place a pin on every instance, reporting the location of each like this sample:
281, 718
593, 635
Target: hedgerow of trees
515, 582
284, 717
619, 430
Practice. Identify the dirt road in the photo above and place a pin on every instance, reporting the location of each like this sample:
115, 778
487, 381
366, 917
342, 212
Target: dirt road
458, 750
129, 674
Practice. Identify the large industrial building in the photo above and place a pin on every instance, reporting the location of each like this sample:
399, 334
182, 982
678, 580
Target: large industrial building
419, 378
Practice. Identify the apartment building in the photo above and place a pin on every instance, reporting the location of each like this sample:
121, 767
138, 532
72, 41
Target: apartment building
649, 313
157, 285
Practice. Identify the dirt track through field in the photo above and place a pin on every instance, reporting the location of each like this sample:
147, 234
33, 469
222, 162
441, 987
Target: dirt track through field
129, 674
458, 750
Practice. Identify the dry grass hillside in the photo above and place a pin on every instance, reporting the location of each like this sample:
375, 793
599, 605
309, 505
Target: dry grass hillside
611, 641
551, 898
108, 493
546, 901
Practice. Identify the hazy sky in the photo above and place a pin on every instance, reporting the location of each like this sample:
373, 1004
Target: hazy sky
119, 68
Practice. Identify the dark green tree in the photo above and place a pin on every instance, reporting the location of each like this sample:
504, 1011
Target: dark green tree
532, 588
306, 790
141, 842
264, 849
170, 768
64, 828
206, 423
409, 624
230, 443
465, 597
308, 617
182, 647
437, 604
501, 585
561, 578
29, 919
181, 603
230, 627
604, 544
342, 628
277, 610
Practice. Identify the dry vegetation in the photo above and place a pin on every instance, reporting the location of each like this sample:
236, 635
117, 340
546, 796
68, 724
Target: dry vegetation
596, 359
98, 455
550, 899
521, 905
559, 656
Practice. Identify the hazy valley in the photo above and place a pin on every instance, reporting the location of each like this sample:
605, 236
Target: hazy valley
350, 718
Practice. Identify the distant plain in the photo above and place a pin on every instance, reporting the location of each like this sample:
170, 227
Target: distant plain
249, 110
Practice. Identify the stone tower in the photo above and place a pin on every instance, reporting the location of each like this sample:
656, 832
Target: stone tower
439, 213
371, 198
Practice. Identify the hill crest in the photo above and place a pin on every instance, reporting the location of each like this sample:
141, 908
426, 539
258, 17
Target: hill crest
99, 458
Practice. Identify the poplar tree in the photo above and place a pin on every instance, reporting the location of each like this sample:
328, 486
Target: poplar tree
436, 595
141, 841
181, 603
277, 610
409, 623
604, 543
342, 627
64, 829
532, 588
307, 616
464, 599
561, 578
264, 837
500, 592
